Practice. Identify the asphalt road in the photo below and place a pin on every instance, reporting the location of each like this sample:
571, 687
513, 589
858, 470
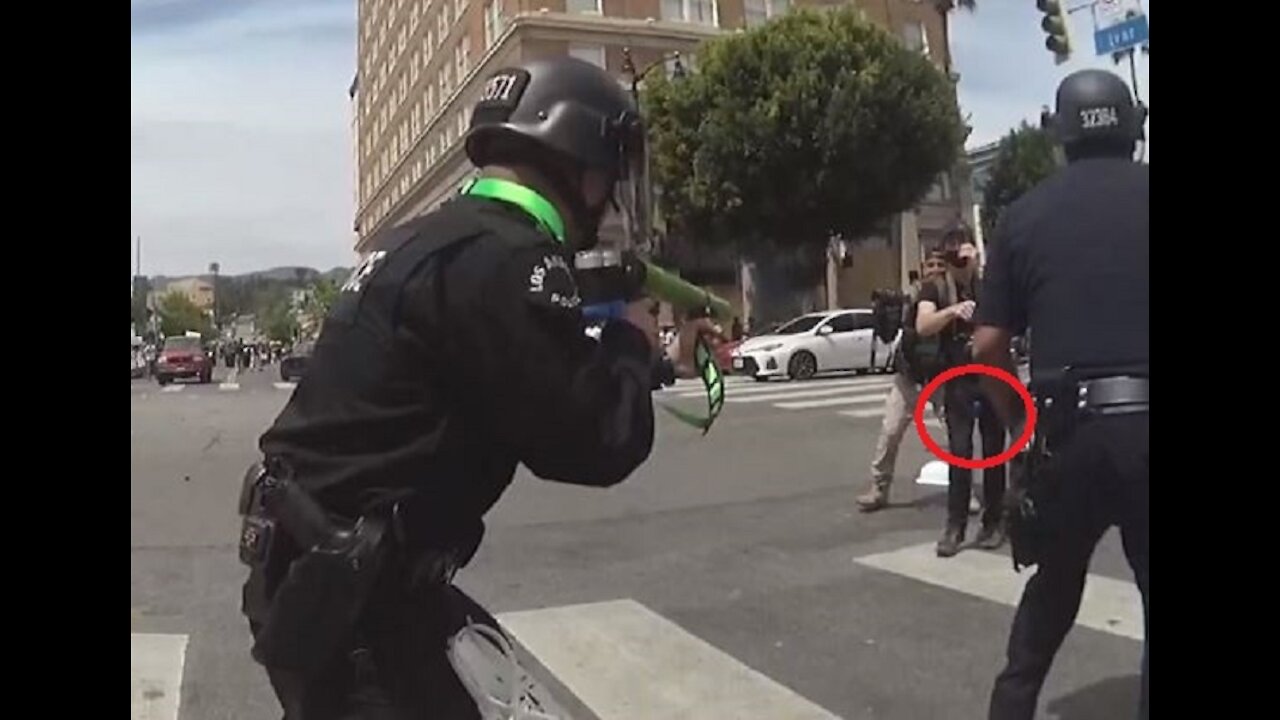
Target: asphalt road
734, 558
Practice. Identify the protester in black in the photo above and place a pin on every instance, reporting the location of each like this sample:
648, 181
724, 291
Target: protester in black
945, 308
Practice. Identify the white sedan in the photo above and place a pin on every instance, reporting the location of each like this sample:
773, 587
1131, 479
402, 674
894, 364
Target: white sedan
816, 343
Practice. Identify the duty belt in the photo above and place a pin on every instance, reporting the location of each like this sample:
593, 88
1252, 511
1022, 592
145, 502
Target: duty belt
1114, 395
1117, 395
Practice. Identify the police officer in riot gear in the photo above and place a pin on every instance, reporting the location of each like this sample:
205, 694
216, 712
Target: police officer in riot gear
1070, 260
455, 351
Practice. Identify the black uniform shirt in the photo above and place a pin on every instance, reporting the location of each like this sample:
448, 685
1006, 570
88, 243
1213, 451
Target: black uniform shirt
439, 374
1070, 260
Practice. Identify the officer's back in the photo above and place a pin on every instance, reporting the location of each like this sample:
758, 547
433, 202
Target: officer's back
1079, 244
1070, 262
421, 375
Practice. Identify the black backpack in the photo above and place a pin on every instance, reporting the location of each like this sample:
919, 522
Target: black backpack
923, 358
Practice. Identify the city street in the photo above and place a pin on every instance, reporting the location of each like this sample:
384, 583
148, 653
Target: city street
730, 577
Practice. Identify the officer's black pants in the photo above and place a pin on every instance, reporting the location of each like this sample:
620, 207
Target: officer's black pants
405, 675
961, 394
1102, 474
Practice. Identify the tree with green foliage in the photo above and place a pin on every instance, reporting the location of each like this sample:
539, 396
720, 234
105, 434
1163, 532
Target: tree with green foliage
179, 315
279, 324
1025, 157
816, 124
321, 298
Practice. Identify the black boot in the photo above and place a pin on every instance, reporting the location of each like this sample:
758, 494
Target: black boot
991, 536
951, 540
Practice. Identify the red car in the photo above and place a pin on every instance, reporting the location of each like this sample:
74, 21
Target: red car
724, 353
183, 357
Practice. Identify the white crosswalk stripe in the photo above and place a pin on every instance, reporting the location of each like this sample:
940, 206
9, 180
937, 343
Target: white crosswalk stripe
622, 660
877, 413
832, 402
155, 675
820, 394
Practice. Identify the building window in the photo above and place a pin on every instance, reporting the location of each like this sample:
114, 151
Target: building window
462, 58
442, 25
593, 54
701, 12
492, 23
462, 123
940, 191
458, 7
915, 38
758, 12
584, 7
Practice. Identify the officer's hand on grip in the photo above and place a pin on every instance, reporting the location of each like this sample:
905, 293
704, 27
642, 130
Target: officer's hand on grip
643, 314
690, 331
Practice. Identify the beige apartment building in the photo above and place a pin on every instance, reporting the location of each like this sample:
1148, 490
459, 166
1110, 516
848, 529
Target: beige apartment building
421, 63
197, 290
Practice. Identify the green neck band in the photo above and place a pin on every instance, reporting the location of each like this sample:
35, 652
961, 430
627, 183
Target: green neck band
538, 207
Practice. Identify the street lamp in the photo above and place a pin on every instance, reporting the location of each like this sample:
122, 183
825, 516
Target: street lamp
629, 67
677, 72
213, 269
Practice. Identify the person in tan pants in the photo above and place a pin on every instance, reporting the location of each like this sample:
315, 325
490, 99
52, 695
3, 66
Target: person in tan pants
899, 409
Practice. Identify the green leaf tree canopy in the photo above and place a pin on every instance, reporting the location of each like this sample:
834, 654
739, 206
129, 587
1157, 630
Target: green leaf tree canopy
1025, 157
179, 315
814, 124
279, 323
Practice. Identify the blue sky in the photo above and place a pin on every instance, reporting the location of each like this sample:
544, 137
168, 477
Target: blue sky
240, 148
1006, 73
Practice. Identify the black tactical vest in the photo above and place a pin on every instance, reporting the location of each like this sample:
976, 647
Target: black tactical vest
371, 410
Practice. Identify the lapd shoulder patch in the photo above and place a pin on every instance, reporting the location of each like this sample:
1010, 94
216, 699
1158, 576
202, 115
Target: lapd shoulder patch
550, 283
356, 281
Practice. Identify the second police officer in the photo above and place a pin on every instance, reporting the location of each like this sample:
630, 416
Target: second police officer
454, 352
1070, 260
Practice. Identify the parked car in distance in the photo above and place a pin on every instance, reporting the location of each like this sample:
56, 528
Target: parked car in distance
183, 356
816, 343
294, 364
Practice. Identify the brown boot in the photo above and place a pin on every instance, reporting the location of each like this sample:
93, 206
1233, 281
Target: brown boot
875, 498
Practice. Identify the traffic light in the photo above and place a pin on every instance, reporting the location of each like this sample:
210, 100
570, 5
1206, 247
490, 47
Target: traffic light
1054, 24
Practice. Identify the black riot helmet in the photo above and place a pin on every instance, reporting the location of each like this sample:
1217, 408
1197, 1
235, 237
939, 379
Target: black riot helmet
1096, 116
565, 117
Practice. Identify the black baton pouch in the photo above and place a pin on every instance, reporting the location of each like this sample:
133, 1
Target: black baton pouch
1028, 504
315, 610
257, 531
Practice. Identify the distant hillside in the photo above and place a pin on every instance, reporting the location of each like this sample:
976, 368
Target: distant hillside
288, 275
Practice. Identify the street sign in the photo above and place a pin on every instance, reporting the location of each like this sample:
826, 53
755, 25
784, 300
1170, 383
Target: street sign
1129, 34
1119, 25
